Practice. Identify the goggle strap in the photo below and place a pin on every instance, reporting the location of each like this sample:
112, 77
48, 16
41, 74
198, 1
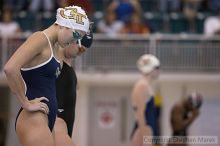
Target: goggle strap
79, 41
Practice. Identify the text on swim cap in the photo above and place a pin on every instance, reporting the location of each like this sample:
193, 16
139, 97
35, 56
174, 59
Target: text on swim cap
146, 61
73, 15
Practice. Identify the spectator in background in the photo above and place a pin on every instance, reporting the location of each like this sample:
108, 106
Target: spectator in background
21, 5
8, 27
47, 5
212, 25
169, 5
124, 8
1, 5
61, 4
190, 10
109, 25
214, 5
135, 25
191, 7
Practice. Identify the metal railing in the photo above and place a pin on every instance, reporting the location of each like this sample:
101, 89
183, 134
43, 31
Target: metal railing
177, 53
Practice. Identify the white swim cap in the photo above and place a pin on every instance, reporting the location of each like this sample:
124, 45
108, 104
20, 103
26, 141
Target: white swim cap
147, 63
73, 17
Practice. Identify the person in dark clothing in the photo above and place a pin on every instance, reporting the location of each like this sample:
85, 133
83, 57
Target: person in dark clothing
66, 86
182, 115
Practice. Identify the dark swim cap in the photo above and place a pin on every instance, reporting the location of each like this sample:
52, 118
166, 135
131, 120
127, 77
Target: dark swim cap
87, 40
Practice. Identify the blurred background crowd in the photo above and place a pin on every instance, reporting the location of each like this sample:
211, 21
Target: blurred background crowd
117, 16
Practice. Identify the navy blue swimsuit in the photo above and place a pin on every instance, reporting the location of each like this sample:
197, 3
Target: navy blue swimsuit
150, 117
40, 82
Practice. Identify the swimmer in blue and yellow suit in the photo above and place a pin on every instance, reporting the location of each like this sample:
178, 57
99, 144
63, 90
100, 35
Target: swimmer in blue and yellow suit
143, 100
32, 70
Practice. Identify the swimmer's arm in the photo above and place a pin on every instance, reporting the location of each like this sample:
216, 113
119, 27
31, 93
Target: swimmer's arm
140, 113
191, 118
178, 122
23, 55
139, 96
